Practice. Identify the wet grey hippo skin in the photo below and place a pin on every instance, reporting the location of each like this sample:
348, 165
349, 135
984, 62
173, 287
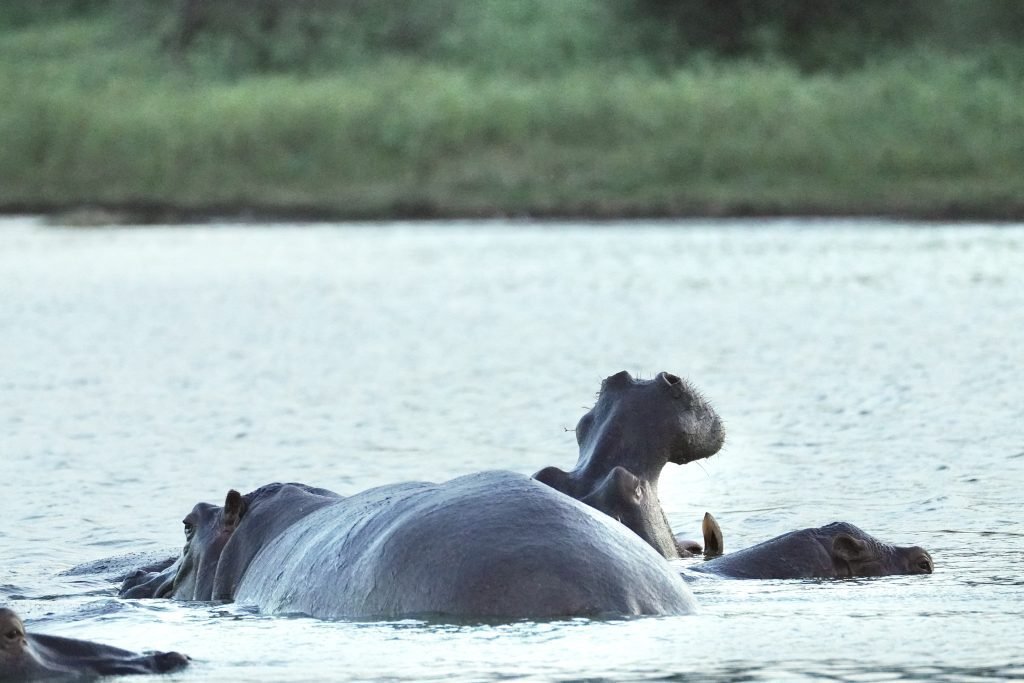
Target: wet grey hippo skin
635, 429
834, 551
492, 544
32, 656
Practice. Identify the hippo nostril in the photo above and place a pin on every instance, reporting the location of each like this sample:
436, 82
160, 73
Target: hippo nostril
619, 380
673, 383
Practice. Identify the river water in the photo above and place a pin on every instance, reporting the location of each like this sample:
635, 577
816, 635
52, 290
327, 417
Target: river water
866, 371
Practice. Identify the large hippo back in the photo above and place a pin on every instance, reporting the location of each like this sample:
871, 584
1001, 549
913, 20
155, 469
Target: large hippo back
493, 544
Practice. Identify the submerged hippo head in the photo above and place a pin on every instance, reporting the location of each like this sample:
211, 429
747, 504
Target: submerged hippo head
220, 542
17, 661
637, 426
208, 528
30, 656
834, 551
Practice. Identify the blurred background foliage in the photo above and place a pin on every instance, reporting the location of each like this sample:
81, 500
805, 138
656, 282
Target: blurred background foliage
541, 36
452, 107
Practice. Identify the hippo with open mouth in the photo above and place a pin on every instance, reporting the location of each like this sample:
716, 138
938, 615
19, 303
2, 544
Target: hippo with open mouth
31, 656
637, 427
634, 430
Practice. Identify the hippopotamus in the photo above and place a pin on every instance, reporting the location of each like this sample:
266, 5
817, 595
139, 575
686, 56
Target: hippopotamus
29, 656
635, 429
487, 545
203, 571
835, 551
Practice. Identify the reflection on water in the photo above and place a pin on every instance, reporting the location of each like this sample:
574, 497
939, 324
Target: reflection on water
866, 372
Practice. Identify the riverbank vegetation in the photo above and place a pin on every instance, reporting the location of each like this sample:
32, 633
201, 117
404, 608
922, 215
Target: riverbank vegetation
418, 108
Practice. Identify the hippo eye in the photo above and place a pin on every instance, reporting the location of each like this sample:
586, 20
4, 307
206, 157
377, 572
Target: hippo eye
924, 565
13, 634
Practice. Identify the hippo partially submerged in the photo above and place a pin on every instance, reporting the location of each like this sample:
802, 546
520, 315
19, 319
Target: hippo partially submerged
493, 544
30, 656
835, 551
635, 429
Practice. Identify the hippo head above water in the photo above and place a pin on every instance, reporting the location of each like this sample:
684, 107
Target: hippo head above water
32, 656
205, 570
207, 529
635, 429
838, 550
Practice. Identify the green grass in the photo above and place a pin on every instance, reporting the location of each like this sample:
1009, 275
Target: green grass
94, 117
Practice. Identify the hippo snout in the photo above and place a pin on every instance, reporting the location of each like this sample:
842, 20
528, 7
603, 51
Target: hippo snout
166, 662
703, 435
920, 561
717, 438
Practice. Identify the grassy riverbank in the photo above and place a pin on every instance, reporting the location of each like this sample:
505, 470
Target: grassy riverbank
93, 118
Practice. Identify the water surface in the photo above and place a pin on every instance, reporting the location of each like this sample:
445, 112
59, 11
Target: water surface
866, 371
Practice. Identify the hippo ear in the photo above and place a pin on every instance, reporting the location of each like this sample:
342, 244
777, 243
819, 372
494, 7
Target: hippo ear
553, 477
627, 485
234, 509
848, 548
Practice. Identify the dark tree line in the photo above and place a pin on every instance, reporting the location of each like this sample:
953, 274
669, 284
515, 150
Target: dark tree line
268, 35
835, 33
